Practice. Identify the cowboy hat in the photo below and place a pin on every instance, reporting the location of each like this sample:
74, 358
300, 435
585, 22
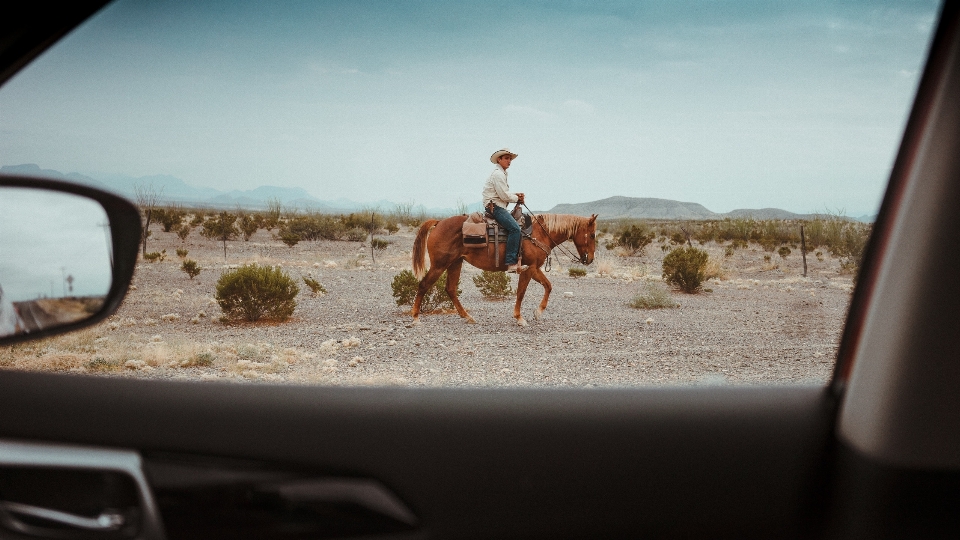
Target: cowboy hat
502, 152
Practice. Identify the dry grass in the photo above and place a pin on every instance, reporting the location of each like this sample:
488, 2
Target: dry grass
714, 270
653, 296
107, 348
604, 266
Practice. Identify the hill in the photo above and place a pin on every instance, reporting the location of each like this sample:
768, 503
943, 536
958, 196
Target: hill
651, 208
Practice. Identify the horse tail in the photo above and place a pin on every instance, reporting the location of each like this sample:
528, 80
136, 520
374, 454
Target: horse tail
420, 248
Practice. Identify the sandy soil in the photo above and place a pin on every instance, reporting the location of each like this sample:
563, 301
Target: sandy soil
763, 323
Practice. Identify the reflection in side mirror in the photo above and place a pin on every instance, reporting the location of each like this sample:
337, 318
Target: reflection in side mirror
58, 251
56, 259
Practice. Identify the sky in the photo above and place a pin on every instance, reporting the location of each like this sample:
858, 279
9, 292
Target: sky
797, 105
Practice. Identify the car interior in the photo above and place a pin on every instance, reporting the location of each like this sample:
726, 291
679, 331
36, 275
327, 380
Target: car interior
874, 454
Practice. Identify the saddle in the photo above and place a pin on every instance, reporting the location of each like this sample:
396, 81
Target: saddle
480, 230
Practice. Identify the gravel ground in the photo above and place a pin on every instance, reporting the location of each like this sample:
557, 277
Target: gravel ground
763, 323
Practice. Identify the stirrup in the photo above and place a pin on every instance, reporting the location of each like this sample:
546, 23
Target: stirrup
517, 268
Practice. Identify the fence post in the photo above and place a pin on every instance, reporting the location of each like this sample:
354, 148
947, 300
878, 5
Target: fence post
373, 228
803, 250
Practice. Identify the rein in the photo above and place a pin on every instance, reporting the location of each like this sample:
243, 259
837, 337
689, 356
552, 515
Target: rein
566, 251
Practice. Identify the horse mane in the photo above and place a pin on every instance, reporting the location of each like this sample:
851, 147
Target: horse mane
566, 224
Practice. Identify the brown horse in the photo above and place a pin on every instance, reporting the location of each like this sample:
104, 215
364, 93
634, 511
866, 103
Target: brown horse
445, 245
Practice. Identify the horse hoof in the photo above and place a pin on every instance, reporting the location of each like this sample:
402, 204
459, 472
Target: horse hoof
537, 314
471, 320
521, 322
416, 322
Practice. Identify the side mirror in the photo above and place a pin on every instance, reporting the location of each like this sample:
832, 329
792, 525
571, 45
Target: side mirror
67, 254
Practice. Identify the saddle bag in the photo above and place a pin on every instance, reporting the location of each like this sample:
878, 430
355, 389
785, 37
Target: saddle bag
474, 234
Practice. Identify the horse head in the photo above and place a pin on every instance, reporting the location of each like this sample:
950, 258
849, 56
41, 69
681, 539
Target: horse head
585, 240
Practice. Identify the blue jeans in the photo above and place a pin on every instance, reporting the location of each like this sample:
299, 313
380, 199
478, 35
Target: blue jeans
506, 221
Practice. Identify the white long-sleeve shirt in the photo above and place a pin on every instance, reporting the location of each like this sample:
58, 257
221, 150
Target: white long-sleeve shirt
497, 190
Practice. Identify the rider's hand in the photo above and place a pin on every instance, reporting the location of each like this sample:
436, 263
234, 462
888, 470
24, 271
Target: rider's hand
520, 198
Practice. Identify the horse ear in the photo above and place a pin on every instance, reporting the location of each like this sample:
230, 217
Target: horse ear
592, 219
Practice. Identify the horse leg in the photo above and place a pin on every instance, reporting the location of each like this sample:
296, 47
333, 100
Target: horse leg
425, 284
521, 290
541, 278
453, 280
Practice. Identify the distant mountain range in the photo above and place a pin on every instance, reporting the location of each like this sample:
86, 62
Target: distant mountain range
650, 208
175, 190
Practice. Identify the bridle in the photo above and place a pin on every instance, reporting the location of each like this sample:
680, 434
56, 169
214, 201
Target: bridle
573, 258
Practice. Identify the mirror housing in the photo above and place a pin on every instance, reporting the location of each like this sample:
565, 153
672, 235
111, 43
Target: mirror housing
109, 222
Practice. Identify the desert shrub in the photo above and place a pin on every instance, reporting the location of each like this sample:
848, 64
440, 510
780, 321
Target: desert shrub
316, 227
768, 244
816, 232
819, 256
157, 215
198, 218
770, 233
271, 218
221, 228
392, 227
766, 258
634, 238
740, 229
254, 292
356, 235
201, 359
368, 221
181, 252
577, 272
784, 251
684, 268
850, 245
102, 364
729, 251
190, 267
493, 285
315, 286
155, 256
654, 296
406, 214
405, 286
843, 237
738, 243
303, 227
289, 237
169, 218
183, 231
379, 244
223, 224
248, 226
706, 232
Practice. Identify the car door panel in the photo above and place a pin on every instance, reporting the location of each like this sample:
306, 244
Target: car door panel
479, 463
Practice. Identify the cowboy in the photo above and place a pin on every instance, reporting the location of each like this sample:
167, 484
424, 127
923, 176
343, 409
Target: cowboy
496, 196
